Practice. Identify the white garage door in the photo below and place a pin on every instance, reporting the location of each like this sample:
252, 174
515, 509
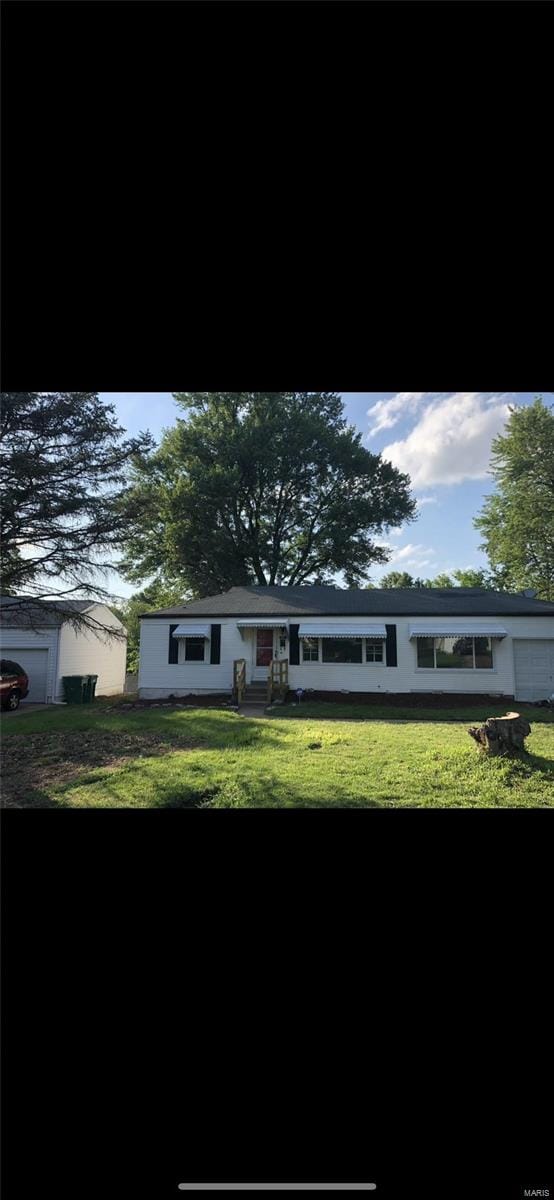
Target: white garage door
35, 663
534, 669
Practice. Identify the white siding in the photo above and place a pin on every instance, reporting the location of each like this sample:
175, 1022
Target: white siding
14, 643
407, 677
84, 652
158, 678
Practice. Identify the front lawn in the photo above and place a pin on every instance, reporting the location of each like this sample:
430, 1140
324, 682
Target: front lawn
205, 758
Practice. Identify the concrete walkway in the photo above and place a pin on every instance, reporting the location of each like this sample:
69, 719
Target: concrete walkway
252, 710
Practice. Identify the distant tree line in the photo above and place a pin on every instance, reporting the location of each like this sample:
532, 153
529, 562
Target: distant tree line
468, 579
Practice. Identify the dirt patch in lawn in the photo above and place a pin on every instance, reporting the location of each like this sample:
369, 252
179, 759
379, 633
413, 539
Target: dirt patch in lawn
43, 761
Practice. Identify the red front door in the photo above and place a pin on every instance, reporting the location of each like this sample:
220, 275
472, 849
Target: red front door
264, 647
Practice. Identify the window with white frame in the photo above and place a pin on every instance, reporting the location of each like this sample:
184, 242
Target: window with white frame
310, 650
455, 653
342, 650
374, 652
192, 649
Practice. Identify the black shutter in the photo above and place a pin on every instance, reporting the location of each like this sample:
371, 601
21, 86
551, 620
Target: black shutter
215, 645
391, 646
173, 653
294, 646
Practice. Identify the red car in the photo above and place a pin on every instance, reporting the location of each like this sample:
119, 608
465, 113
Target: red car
14, 684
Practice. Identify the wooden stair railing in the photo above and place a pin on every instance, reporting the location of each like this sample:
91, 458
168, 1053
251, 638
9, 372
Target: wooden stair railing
239, 678
278, 678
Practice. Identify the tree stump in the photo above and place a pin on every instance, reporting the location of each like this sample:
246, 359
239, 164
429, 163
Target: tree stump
502, 735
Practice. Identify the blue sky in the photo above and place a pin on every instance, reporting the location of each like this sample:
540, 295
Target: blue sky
441, 439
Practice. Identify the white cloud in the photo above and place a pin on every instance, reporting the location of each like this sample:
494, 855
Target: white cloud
452, 440
413, 555
426, 500
450, 570
386, 413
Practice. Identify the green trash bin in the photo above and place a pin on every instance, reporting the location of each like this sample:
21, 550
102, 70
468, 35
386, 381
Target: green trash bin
74, 688
90, 688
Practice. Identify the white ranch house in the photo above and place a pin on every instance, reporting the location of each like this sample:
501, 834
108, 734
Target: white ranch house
329, 639
46, 645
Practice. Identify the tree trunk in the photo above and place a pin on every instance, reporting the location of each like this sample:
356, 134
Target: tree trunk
502, 735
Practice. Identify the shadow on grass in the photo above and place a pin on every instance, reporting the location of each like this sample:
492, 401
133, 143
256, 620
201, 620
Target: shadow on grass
536, 764
202, 794
33, 798
201, 728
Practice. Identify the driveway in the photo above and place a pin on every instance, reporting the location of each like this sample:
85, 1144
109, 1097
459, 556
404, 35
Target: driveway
24, 708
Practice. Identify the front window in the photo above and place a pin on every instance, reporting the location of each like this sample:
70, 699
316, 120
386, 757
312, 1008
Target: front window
483, 653
194, 649
425, 652
374, 652
342, 650
455, 653
310, 650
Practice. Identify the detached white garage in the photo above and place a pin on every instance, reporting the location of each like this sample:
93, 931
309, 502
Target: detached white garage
533, 668
47, 646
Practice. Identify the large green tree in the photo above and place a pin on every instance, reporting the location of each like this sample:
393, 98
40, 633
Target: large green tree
265, 488
517, 521
63, 467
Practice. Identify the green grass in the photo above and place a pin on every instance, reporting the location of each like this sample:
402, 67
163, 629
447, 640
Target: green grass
172, 758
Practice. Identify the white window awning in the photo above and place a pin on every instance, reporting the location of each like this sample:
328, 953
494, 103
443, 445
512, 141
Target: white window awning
192, 631
458, 629
264, 623
311, 629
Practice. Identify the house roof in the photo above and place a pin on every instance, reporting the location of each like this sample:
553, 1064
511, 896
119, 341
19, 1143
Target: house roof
325, 601
45, 613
